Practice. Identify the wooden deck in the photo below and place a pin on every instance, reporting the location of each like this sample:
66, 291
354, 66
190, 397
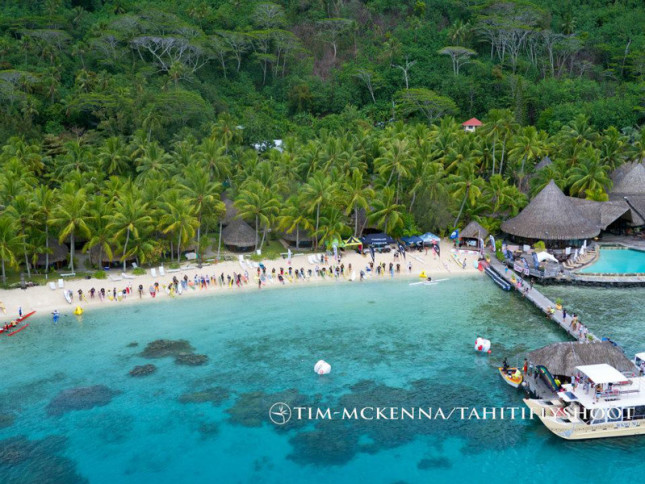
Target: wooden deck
538, 299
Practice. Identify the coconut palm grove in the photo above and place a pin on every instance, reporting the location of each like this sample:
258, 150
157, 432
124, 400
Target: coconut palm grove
126, 125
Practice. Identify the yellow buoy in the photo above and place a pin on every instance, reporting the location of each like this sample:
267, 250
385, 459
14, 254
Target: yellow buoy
78, 311
423, 275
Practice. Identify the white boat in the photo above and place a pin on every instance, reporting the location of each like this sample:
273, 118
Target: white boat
611, 405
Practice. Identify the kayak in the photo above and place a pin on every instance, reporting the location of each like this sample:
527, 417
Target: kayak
18, 330
509, 376
25, 316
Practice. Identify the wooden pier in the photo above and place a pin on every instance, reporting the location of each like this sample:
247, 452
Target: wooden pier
536, 297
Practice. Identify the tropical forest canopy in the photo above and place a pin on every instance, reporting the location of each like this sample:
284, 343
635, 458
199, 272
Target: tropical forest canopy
124, 121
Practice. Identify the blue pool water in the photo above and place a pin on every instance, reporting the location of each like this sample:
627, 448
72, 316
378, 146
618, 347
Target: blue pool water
618, 261
389, 344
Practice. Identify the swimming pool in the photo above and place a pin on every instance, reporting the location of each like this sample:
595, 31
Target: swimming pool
618, 261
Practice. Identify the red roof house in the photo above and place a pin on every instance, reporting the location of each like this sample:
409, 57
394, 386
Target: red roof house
471, 124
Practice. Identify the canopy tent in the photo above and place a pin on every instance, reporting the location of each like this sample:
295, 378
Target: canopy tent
352, 242
542, 256
412, 240
429, 237
601, 374
377, 239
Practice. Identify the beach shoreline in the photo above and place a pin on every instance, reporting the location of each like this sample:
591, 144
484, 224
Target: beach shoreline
42, 299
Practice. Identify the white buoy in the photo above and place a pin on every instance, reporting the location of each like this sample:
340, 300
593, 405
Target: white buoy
482, 345
322, 367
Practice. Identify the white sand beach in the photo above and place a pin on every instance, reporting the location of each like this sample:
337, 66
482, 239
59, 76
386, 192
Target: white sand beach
45, 300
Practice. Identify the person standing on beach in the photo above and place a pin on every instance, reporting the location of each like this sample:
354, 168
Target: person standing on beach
410, 267
20, 312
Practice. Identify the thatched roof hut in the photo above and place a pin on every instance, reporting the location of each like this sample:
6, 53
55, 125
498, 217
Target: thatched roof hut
304, 238
629, 187
238, 235
231, 211
546, 161
59, 253
551, 215
473, 231
602, 214
562, 358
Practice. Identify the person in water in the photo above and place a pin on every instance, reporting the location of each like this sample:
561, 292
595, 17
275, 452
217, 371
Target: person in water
505, 365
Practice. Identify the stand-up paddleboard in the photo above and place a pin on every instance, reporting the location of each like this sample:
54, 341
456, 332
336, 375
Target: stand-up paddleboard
180, 290
353, 276
68, 297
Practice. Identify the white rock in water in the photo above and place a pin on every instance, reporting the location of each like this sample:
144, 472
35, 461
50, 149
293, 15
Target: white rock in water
322, 367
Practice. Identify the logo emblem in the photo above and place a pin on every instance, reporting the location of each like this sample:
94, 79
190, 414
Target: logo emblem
280, 413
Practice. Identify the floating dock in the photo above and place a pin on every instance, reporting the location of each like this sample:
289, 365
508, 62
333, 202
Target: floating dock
538, 299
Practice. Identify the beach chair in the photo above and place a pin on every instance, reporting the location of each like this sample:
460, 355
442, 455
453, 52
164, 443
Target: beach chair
162, 272
113, 278
126, 276
153, 272
61, 283
52, 286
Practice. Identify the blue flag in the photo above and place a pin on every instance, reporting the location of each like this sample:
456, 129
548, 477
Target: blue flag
455, 234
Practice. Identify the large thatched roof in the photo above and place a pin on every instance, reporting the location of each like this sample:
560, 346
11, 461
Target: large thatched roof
630, 183
629, 187
562, 358
602, 214
551, 215
473, 231
238, 234
59, 253
231, 211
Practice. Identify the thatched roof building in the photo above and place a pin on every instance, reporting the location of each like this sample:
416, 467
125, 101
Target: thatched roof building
546, 161
473, 231
629, 188
304, 238
562, 358
238, 235
551, 215
601, 214
231, 211
59, 253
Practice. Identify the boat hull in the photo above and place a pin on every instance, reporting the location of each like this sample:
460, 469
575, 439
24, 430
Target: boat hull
558, 423
514, 382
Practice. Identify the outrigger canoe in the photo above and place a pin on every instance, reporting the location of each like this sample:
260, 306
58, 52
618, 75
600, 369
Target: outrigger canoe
510, 378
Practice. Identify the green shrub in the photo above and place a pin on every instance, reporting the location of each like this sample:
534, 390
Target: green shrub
100, 275
174, 265
139, 271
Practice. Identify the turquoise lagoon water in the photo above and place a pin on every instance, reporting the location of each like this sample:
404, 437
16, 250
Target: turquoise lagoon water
389, 343
618, 261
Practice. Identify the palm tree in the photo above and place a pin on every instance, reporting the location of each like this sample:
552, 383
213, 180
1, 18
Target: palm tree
293, 216
465, 183
179, 219
71, 216
357, 196
99, 210
130, 218
332, 225
257, 202
113, 157
204, 195
396, 161
386, 213
10, 243
590, 175
527, 146
22, 210
318, 191
44, 202
154, 161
